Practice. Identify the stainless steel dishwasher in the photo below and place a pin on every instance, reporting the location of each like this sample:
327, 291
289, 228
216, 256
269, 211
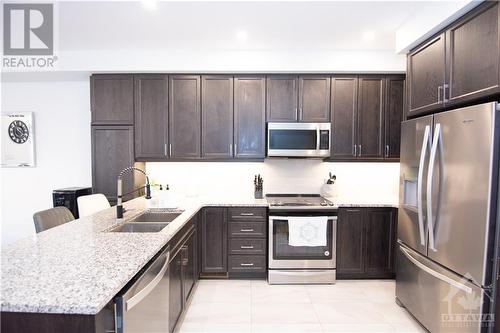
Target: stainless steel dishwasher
142, 306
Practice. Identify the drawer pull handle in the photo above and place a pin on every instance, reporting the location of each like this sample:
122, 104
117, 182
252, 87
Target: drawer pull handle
243, 264
246, 230
246, 247
246, 214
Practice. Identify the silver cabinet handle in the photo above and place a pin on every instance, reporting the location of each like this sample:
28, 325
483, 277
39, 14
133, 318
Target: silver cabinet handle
359, 151
300, 113
440, 88
445, 87
317, 138
355, 150
246, 214
297, 113
250, 264
246, 247
430, 175
138, 297
246, 230
235, 149
386, 150
230, 149
170, 149
420, 209
165, 150
432, 272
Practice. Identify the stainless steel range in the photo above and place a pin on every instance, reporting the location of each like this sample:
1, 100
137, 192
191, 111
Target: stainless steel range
302, 237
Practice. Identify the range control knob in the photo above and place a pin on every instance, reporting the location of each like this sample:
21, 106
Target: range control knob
327, 253
323, 203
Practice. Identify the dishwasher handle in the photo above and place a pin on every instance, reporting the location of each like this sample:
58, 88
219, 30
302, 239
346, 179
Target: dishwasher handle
140, 295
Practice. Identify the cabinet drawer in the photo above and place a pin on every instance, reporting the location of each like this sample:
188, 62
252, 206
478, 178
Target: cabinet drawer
247, 229
247, 246
247, 263
247, 214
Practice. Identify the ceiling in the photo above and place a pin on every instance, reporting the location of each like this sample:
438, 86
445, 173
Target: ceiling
340, 25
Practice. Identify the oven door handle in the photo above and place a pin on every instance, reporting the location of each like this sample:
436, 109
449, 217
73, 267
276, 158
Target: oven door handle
330, 218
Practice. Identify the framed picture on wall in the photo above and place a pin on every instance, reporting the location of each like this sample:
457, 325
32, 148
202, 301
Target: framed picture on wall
18, 139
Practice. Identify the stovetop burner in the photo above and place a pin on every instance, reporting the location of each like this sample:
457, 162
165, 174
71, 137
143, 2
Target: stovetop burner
298, 201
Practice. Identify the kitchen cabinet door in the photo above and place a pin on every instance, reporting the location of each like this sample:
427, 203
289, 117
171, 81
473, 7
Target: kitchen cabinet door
217, 117
189, 264
350, 242
175, 290
394, 108
151, 116
112, 99
344, 117
426, 69
214, 240
112, 151
379, 242
371, 105
282, 98
314, 98
185, 116
249, 117
473, 55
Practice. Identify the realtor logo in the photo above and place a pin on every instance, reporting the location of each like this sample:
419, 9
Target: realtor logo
28, 29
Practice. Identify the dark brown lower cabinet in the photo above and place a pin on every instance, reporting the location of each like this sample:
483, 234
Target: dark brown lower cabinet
365, 243
214, 240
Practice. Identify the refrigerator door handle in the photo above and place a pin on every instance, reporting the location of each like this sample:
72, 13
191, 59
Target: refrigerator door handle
425, 145
430, 176
437, 275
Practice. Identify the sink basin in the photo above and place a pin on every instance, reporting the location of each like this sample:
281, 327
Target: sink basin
139, 227
152, 216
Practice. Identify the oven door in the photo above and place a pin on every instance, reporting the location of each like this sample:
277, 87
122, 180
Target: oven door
283, 255
298, 139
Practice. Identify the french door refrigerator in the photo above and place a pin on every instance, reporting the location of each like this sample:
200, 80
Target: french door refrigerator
447, 218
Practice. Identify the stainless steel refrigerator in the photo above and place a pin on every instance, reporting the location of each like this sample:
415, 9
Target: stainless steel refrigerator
447, 218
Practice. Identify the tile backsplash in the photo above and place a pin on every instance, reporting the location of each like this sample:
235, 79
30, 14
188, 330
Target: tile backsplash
356, 182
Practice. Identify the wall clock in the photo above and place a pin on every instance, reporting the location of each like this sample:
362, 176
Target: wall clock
18, 145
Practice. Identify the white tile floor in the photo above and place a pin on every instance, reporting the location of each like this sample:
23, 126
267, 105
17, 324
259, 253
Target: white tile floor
254, 306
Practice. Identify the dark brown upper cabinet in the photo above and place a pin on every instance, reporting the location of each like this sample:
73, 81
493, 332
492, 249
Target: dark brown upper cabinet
371, 105
249, 117
217, 117
314, 98
184, 116
113, 151
298, 98
151, 116
282, 102
474, 55
458, 66
112, 99
344, 117
360, 107
394, 105
426, 76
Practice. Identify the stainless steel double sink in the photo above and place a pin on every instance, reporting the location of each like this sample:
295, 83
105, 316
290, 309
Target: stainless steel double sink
149, 221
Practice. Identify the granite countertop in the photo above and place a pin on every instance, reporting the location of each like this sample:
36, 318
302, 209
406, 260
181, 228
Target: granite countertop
77, 268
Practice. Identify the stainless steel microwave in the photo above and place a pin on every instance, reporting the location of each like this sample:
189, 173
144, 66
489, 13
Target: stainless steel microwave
298, 139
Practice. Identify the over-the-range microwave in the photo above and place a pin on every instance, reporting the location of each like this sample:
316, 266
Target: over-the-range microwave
298, 139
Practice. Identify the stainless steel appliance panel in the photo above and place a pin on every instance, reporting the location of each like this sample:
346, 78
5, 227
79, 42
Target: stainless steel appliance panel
318, 276
459, 187
412, 214
441, 300
144, 306
298, 139
281, 255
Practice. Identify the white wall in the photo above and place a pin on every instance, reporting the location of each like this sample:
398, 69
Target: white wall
62, 142
356, 182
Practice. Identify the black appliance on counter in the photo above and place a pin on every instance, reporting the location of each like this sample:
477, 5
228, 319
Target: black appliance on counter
67, 197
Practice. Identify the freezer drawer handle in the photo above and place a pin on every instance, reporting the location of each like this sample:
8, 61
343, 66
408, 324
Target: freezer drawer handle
437, 275
137, 298
430, 219
420, 208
